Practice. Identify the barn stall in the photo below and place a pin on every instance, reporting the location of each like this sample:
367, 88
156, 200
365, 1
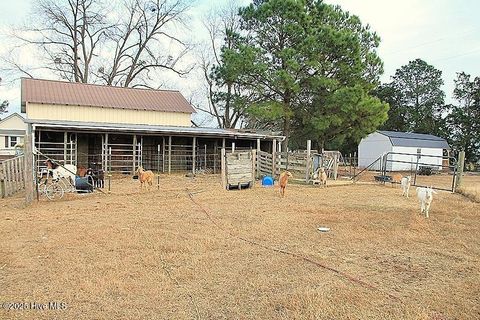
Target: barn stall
123, 148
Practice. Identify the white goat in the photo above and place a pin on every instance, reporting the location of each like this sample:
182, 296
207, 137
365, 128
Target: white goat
425, 195
405, 182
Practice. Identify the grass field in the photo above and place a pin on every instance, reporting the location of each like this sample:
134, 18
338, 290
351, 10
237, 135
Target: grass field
194, 251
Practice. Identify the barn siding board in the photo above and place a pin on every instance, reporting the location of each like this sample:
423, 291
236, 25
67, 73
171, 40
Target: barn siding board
106, 115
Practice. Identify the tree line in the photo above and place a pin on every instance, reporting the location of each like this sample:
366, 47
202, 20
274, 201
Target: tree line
303, 68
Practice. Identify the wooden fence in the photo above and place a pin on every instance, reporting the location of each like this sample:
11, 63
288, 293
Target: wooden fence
302, 164
12, 176
296, 163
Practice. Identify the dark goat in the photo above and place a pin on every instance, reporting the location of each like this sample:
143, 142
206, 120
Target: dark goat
97, 176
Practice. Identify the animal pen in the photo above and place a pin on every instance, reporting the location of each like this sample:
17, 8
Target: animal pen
125, 149
423, 173
303, 163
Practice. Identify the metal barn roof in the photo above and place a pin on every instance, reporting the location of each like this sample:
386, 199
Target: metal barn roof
418, 140
152, 129
83, 94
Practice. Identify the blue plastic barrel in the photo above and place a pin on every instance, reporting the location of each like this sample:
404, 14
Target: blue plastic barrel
267, 181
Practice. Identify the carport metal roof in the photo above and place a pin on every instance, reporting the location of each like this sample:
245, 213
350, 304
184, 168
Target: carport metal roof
151, 129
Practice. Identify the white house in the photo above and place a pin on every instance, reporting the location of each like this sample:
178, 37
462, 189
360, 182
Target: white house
402, 149
12, 131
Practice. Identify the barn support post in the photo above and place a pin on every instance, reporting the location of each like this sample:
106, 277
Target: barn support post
75, 150
223, 143
194, 144
169, 154
163, 155
109, 166
103, 152
233, 147
215, 150
254, 166
307, 163
205, 158
274, 157
65, 144
257, 162
224, 173
134, 142
105, 147
158, 167
460, 165
29, 163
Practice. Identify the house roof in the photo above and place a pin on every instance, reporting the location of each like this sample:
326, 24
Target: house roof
82, 94
11, 116
419, 140
152, 129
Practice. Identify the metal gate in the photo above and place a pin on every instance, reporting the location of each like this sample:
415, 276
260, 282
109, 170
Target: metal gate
438, 168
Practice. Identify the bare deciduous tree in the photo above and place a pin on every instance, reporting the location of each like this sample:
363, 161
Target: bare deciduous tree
140, 42
85, 41
223, 98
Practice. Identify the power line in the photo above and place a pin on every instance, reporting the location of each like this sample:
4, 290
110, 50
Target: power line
456, 36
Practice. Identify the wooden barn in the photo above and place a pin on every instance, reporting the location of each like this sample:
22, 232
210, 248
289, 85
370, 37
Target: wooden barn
118, 129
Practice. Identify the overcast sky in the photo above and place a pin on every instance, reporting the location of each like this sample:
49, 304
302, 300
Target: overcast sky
444, 33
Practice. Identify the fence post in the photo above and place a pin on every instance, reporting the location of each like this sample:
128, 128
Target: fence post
254, 166
5, 179
461, 163
29, 175
274, 157
194, 158
258, 162
2, 187
307, 163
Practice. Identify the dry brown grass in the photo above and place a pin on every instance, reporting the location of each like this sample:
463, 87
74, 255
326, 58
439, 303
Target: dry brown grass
157, 255
470, 188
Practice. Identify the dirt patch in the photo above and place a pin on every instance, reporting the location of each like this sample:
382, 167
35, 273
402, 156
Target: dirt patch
158, 254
